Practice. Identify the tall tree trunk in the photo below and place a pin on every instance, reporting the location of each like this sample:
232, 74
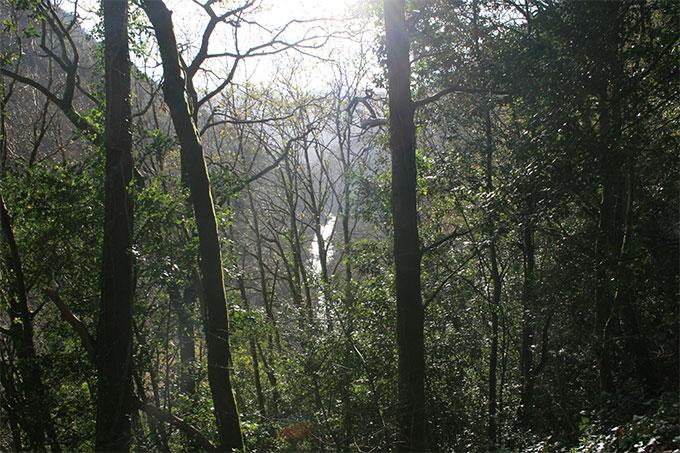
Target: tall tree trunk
114, 331
495, 290
6, 92
348, 295
193, 163
260, 260
271, 376
267, 300
607, 244
410, 322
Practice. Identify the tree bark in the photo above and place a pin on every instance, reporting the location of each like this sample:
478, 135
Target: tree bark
114, 331
193, 163
407, 258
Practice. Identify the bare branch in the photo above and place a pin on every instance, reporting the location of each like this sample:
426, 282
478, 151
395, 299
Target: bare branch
454, 89
35, 312
267, 169
68, 64
372, 122
76, 119
455, 234
32, 83
231, 120
152, 98
446, 280
227, 80
207, 33
187, 428
77, 324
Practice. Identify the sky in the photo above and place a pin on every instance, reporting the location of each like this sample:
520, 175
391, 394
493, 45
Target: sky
274, 14
269, 15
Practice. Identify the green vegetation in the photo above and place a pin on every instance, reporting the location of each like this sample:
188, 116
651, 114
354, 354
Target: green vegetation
467, 240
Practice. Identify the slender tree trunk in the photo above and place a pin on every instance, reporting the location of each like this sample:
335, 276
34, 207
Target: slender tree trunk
493, 354
410, 316
187, 346
269, 309
193, 162
114, 331
495, 291
604, 250
603, 300
182, 306
526, 352
260, 260
315, 207
299, 270
10, 398
625, 299
253, 351
37, 421
267, 300
271, 377
156, 430
348, 296
6, 92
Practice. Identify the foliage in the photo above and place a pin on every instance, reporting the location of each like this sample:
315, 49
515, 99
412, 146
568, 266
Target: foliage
535, 110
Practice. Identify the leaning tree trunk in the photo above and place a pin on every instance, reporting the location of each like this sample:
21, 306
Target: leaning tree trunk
114, 331
193, 164
410, 342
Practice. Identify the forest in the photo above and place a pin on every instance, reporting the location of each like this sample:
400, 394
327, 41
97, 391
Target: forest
418, 225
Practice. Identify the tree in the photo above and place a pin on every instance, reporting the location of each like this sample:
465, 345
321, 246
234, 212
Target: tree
114, 330
535, 181
193, 165
410, 343
37, 423
597, 122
